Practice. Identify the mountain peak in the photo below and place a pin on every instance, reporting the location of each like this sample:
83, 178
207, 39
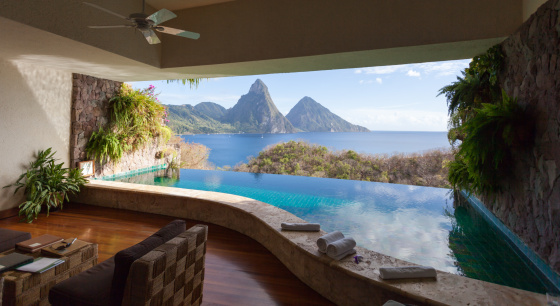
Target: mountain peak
255, 112
310, 116
259, 87
308, 100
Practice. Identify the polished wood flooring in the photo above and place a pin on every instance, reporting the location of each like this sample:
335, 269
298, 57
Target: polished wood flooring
239, 271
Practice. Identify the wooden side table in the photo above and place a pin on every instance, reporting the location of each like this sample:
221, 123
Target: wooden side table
24, 288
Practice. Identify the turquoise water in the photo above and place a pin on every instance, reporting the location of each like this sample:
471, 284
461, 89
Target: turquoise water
417, 224
231, 149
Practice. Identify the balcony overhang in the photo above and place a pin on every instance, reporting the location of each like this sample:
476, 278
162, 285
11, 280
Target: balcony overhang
247, 37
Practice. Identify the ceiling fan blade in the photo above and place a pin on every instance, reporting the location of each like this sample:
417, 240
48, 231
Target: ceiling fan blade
110, 26
151, 37
161, 16
105, 10
182, 33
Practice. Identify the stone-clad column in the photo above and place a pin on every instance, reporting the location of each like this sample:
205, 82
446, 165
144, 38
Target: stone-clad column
530, 202
90, 103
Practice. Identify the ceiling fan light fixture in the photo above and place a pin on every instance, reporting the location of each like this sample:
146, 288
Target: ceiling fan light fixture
147, 24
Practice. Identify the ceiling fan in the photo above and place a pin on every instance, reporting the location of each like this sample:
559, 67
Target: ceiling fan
147, 24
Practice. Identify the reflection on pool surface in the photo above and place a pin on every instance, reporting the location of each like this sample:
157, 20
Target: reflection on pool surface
416, 224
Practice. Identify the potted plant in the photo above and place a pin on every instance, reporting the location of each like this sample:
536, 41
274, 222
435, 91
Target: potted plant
46, 183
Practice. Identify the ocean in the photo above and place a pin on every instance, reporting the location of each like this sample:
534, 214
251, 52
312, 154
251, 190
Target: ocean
231, 149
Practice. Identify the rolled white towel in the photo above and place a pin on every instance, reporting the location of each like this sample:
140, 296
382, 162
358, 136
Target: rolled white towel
306, 227
341, 246
407, 272
349, 252
325, 240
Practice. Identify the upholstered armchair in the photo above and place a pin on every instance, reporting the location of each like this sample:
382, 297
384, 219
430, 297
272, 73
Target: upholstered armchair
166, 268
171, 273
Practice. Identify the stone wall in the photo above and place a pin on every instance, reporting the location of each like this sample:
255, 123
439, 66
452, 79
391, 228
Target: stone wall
90, 111
530, 203
90, 103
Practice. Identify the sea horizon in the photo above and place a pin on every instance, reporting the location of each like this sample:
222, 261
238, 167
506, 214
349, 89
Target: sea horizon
230, 149
310, 132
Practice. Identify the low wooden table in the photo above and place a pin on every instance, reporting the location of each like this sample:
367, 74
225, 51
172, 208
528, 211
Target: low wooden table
24, 288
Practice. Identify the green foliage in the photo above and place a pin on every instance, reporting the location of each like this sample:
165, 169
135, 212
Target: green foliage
193, 83
136, 119
166, 133
487, 66
459, 175
484, 156
193, 155
301, 158
46, 183
478, 85
103, 145
198, 119
488, 123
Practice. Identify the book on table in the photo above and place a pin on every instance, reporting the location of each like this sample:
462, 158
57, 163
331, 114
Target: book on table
40, 265
14, 260
35, 244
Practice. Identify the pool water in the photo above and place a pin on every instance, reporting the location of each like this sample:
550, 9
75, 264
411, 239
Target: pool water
416, 224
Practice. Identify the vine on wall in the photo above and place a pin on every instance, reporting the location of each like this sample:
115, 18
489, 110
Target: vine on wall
136, 118
485, 125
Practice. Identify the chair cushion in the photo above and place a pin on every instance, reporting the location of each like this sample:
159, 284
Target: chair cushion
9, 238
88, 288
125, 258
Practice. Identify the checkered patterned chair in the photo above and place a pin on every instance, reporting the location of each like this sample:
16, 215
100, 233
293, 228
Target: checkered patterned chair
166, 268
171, 274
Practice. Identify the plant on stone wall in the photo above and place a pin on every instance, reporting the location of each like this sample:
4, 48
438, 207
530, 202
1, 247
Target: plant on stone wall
46, 183
103, 145
484, 156
136, 118
486, 123
478, 85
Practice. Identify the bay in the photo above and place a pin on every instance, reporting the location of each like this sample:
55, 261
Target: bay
231, 149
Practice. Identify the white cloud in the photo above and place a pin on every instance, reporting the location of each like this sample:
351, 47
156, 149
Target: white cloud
445, 68
413, 73
416, 70
395, 119
399, 229
379, 70
377, 80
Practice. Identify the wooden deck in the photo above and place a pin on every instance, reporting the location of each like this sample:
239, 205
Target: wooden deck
239, 271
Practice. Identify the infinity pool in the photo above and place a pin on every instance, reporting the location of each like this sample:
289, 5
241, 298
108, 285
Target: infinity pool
417, 224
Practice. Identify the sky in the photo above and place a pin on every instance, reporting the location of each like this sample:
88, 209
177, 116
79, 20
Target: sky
385, 98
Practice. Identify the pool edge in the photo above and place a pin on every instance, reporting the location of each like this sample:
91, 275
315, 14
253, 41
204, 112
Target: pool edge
342, 282
522, 249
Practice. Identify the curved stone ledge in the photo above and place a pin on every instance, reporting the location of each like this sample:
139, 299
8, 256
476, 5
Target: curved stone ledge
343, 282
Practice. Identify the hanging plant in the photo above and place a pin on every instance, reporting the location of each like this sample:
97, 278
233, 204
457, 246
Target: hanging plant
486, 123
136, 118
478, 85
485, 154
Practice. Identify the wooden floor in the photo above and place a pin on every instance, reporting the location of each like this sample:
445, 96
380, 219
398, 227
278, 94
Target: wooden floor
239, 271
